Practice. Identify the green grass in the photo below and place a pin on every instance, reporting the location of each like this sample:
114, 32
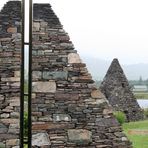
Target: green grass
139, 141
26, 87
141, 95
25, 146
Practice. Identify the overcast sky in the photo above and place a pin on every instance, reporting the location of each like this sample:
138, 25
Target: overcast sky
105, 28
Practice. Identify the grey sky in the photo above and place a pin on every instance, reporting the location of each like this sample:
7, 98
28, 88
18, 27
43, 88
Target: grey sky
106, 28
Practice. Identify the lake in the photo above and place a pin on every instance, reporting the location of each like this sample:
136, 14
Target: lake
143, 103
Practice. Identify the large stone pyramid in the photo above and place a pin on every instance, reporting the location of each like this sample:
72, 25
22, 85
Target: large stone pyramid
10, 51
66, 104
116, 88
67, 109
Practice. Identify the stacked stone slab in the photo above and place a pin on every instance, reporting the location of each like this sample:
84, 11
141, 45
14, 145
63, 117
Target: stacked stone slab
67, 109
10, 47
116, 88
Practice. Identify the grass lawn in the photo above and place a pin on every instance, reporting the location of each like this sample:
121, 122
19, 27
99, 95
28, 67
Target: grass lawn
138, 139
141, 95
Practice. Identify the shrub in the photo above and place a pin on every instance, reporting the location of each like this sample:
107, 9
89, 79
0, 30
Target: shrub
146, 112
25, 124
120, 116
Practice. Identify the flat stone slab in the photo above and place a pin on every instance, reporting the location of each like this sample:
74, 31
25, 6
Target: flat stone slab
74, 58
44, 87
3, 128
80, 136
97, 94
40, 139
58, 75
61, 117
12, 142
12, 30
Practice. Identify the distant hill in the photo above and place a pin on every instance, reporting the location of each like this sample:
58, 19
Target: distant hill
98, 69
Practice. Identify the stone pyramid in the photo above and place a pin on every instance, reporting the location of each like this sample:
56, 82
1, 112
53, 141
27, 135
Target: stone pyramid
67, 109
116, 88
10, 51
66, 104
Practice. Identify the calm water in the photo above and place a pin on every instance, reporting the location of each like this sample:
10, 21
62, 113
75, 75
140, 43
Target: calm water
143, 103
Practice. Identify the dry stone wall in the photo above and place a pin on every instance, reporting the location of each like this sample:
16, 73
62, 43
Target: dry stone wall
116, 88
67, 109
10, 48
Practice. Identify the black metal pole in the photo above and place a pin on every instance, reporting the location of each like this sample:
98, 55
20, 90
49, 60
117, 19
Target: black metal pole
30, 78
22, 80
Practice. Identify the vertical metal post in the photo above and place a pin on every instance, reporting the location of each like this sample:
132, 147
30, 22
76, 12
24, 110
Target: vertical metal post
30, 78
22, 80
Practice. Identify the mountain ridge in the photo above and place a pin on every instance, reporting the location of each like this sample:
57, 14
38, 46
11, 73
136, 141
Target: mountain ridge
98, 68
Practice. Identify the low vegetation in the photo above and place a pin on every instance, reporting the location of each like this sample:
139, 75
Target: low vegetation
137, 132
25, 124
120, 116
145, 112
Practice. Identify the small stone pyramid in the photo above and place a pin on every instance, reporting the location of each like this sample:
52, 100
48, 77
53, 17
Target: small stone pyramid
116, 88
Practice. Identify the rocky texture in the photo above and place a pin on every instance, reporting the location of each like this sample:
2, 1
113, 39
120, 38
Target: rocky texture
65, 102
10, 51
116, 88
